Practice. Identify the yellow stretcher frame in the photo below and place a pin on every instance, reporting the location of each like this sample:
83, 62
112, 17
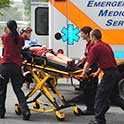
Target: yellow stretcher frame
41, 75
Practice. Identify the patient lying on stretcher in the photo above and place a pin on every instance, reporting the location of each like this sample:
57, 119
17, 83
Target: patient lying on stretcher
37, 49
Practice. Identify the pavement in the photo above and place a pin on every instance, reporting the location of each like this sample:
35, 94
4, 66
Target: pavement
114, 116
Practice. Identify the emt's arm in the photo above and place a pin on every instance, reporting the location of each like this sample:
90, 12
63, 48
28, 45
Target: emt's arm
85, 68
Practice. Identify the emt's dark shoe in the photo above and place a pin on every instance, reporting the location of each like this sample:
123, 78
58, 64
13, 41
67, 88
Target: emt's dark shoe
88, 112
77, 89
96, 122
26, 115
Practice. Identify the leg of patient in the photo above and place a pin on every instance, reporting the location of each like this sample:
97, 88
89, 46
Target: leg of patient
55, 58
61, 56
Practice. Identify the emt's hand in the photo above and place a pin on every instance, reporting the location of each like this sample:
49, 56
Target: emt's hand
94, 74
80, 76
84, 76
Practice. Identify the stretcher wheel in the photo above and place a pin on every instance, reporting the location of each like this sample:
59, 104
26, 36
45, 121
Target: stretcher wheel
60, 116
77, 111
36, 105
17, 109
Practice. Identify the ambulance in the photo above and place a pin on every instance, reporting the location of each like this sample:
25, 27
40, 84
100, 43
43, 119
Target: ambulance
57, 24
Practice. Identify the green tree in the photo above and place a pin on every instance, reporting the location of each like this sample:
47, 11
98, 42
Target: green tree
3, 4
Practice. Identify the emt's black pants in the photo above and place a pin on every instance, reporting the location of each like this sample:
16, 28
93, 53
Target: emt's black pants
89, 88
104, 94
13, 72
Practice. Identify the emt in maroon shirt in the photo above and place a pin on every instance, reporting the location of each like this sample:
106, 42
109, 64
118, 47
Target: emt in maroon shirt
85, 35
88, 87
10, 68
102, 54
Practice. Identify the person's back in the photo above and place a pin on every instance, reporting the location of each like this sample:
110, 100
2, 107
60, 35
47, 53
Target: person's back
88, 86
102, 57
10, 68
102, 54
10, 47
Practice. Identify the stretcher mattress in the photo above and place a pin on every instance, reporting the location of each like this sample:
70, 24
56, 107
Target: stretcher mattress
42, 60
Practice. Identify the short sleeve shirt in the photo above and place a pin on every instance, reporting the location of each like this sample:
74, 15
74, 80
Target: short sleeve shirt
12, 52
102, 54
88, 46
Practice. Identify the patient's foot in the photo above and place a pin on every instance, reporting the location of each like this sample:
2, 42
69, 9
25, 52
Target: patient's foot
71, 63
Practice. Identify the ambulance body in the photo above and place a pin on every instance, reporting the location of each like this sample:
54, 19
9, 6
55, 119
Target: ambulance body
58, 22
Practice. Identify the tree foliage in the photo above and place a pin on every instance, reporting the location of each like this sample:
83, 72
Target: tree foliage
3, 4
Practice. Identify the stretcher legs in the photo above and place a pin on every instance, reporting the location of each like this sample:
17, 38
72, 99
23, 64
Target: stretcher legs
45, 86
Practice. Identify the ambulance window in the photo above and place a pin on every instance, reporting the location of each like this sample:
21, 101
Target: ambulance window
41, 21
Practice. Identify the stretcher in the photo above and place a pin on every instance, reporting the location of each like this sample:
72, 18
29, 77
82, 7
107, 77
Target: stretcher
46, 73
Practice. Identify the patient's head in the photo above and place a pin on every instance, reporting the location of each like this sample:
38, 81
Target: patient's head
26, 32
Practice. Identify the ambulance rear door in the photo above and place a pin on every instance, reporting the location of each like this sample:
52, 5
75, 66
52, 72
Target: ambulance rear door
40, 22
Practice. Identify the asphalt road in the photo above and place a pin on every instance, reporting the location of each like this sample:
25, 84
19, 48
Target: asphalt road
114, 116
